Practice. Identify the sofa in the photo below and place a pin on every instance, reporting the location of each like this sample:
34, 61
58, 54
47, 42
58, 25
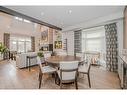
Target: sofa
21, 59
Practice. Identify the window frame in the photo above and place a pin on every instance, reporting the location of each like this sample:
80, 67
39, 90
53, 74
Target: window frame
85, 39
17, 43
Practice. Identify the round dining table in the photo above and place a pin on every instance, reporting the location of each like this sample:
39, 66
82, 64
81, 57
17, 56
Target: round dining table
55, 60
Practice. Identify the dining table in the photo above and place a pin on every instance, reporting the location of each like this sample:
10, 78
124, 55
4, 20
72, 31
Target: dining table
55, 60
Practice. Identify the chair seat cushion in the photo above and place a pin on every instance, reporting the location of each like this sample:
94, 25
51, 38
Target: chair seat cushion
48, 69
66, 76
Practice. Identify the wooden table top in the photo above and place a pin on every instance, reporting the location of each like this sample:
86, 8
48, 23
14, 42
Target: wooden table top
57, 59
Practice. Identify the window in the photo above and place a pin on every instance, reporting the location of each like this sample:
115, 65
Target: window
93, 39
20, 44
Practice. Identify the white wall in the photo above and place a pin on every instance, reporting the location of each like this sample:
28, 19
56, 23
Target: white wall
70, 41
120, 35
9, 25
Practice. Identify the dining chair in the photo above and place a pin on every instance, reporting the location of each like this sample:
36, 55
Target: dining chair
85, 69
62, 53
46, 55
68, 72
44, 70
82, 56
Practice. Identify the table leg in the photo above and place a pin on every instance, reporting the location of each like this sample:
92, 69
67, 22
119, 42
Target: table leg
26, 62
29, 64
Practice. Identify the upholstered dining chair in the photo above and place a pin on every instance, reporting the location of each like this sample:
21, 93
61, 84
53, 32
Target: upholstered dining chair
68, 72
46, 55
62, 53
44, 70
85, 69
82, 56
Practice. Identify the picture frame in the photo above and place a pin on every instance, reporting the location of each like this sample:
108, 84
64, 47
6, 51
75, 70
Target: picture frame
58, 44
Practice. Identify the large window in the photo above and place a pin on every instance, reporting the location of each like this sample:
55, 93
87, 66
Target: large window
94, 39
20, 44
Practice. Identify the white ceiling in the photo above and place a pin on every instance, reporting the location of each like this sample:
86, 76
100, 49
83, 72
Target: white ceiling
60, 16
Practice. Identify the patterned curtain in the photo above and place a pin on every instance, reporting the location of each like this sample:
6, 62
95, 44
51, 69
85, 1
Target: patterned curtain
111, 46
33, 44
77, 41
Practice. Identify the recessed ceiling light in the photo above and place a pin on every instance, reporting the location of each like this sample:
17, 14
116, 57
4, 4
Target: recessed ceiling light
42, 13
70, 11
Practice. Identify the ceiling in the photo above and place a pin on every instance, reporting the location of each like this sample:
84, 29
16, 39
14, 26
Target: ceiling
65, 16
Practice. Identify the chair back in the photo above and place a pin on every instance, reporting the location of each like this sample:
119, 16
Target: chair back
38, 60
88, 66
81, 55
39, 63
62, 53
68, 69
85, 68
46, 55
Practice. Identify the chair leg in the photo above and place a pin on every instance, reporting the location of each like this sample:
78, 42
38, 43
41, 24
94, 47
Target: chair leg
60, 84
55, 78
40, 80
39, 76
89, 80
76, 84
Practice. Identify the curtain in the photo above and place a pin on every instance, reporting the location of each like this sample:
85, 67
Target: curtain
111, 46
33, 44
77, 41
7, 44
7, 40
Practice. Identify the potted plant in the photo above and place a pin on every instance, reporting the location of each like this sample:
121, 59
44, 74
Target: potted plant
41, 55
3, 50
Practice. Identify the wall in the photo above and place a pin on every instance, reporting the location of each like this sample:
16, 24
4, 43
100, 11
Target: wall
125, 28
9, 25
70, 41
5, 21
120, 35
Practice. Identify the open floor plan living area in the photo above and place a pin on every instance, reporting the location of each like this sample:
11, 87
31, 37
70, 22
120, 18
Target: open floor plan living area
63, 47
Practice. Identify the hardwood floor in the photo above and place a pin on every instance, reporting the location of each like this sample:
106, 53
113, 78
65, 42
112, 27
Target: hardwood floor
14, 78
